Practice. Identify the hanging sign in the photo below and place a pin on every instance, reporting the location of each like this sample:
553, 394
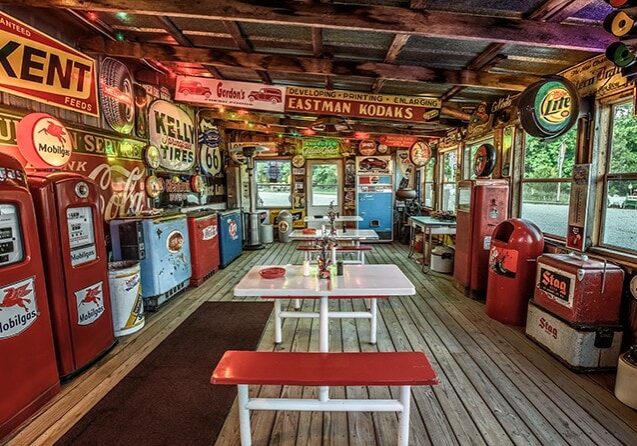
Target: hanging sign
405, 141
549, 108
480, 121
597, 77
321, 148
361, 105
44, 141
36, 66
419, 154
116, 95
207, 91
173, 133
208, 138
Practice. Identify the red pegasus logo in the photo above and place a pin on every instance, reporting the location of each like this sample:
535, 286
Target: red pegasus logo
56, 131
16, 296
92, 295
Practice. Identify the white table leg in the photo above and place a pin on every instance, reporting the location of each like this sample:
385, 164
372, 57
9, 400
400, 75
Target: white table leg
277, 321
297, 304
324, 339
244, 415
403, 429
362, 259
373, 321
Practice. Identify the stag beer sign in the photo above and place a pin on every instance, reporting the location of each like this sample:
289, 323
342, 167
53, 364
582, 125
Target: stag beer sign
172, 131
18, 307
36, 66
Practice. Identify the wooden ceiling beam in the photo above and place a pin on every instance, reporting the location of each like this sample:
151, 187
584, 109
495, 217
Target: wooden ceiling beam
265, 77
305, 65
396, 46
174, 31
375, 18
418, 4
237, 35
557, 10
317, 42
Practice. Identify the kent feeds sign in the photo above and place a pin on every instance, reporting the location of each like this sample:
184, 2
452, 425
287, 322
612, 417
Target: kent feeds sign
36, 66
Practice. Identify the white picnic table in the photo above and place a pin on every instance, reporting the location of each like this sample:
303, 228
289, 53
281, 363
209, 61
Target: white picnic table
342, 218
355, 235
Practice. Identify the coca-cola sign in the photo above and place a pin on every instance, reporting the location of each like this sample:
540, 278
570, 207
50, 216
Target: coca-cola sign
172, 131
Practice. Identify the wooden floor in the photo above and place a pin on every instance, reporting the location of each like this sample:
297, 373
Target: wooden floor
497, 387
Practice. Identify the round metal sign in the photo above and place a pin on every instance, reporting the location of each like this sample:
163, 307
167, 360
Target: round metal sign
419, 153
484, 160
152, 156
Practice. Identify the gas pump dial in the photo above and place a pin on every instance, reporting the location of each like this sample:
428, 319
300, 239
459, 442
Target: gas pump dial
81, 189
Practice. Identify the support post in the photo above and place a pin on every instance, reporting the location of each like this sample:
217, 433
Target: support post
373, 322
277, 321
244, 415
403, 429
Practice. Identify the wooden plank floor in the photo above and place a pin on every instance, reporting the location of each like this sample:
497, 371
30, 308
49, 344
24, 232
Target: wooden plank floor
497, 387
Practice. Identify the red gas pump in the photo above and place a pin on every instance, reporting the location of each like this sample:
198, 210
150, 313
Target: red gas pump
74, 254
482, 205
28, 374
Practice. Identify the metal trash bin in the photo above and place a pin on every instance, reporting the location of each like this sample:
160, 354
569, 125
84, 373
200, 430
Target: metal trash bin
284, 226
442, 259
267, 233
126, 297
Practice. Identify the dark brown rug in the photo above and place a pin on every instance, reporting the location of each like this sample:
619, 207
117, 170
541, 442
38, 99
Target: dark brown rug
168, 399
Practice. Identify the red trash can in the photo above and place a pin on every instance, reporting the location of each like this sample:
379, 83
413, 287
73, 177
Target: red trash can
515, 246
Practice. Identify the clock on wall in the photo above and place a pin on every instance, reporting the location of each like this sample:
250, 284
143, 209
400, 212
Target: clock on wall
152, 157
419, 153
298, 160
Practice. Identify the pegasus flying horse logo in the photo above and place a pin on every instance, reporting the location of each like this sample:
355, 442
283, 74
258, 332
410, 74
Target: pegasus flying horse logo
92, 296
55, 130
16, 297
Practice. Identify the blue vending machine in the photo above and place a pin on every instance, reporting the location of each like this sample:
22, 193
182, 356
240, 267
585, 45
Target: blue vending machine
375, 195
166, 267
230, 236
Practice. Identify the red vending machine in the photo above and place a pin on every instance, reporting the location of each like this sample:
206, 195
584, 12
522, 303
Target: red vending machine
28, 374
482, 205
203, 232
74, 255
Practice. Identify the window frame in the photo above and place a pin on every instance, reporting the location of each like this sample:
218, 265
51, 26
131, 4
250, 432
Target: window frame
290, 184
524, 180
439, 171
434, 182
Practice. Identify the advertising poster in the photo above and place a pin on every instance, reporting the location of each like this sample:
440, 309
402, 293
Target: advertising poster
172, 131
597, 77
45, 77
208, 92
208, 139
377, 165
578, 207
117, 95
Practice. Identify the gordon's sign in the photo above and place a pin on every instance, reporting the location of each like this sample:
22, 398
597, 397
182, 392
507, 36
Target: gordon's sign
36, 66
361, 105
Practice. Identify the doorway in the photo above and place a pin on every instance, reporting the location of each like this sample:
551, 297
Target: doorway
324, 185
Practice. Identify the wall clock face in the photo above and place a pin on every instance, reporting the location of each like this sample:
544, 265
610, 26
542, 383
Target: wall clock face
419, 153
152, 157
298, 160
382, 149
154, 186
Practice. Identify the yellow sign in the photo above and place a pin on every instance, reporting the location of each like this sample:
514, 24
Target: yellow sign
597, 77
36, 66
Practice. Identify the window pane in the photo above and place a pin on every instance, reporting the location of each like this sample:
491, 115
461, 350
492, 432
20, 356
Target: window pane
448, 197
324, 184
621, 213
429, 195
546, 205
624, 140
430, 170
449, 166
273, 183
550, 158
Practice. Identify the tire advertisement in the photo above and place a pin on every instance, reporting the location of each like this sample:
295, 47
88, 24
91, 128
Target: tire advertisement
172, 131
116, 95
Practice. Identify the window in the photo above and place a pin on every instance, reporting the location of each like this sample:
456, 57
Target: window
273, 183
469, 157
620, 181
546, 182
428, 182
449, 168
324, 183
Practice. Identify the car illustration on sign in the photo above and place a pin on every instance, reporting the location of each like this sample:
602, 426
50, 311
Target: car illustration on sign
194, 87
373, 164
266, 95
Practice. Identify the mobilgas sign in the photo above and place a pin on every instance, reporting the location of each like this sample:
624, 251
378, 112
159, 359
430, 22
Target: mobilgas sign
36, 66
172, 131
549, 108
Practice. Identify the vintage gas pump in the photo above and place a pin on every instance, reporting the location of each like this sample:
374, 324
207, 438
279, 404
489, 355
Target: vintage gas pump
73, 249
28, 374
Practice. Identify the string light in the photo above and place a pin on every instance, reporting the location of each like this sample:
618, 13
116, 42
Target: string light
123, 16
92, 16
120, 36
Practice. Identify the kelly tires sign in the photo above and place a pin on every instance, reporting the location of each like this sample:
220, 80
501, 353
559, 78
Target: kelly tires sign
172, 131
36, 66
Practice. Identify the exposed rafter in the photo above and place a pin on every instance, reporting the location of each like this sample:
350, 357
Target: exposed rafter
396, 46
387, 19
306, 65
317, 42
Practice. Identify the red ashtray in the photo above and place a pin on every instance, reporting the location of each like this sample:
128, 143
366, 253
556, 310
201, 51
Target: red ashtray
272, 273
309, 231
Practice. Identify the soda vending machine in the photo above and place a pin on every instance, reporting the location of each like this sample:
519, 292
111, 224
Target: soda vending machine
230, 236
28, 374
482, 205
75, 261
204, 245
375, 195
166, 269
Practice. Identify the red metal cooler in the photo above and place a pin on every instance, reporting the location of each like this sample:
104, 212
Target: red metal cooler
482, 205
28, 373
515, 247
204, 245
74, 254
579, 289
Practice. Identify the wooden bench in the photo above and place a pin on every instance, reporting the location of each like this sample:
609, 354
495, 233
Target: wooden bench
404, 369
371, 313
360, 250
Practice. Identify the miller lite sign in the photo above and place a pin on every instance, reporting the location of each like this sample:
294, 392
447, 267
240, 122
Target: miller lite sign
18, 307
549, 108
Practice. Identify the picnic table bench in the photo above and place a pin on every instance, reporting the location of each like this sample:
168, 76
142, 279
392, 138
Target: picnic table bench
360, 250
404, 369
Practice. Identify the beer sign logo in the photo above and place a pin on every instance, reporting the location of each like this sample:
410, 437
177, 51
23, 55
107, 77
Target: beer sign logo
549, 108
18, 307
556, 284
90, 304
233, 229
44, 141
